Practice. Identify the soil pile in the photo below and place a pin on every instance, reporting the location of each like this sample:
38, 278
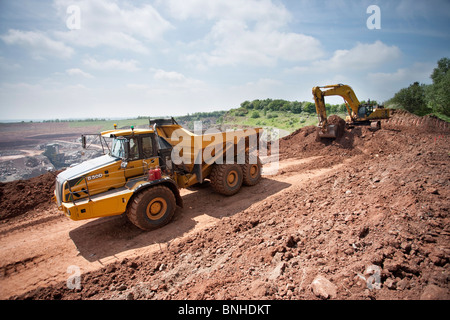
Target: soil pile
373, 224
305, 142
19, 197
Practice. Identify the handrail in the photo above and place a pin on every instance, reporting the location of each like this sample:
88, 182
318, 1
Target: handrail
87, 191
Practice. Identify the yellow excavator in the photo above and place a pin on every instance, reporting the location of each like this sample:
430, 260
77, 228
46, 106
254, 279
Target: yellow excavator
358, 114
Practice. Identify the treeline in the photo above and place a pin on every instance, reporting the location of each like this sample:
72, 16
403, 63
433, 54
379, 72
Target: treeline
197, 116
75, 120
422, 99
296, 107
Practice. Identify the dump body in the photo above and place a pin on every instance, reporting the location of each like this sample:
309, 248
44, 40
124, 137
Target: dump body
105, 186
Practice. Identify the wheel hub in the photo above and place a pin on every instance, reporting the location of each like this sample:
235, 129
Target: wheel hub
156, 208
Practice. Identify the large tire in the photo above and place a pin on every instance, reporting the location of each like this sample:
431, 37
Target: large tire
251, 172
226, 179
152, 208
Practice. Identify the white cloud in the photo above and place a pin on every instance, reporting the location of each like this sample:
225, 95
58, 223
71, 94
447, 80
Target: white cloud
78, 72
112, 64
245, 32
169, 83
264, 13
169, 76
109, 23
389, 83
173, 79
359, 58
235, 43
38, 44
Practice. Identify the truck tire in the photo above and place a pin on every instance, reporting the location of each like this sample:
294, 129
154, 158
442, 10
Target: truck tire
251, 172
226, 179
152, 208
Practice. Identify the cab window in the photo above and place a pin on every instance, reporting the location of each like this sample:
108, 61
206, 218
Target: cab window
147, 147
134, 149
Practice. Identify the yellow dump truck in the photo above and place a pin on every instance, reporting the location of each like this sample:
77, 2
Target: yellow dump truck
144, 169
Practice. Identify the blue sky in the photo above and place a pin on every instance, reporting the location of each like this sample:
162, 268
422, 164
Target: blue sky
173, 57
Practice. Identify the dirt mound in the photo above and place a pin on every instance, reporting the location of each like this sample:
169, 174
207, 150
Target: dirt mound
305, 141
361, 139
364, 217
402, 118
19, 197
374, 231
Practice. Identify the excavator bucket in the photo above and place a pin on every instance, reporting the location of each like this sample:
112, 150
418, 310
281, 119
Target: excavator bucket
329, 133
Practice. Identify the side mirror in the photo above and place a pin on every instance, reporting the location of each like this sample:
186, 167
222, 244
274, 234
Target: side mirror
83, 141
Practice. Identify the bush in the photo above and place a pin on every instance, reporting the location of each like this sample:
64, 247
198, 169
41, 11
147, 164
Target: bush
255, 114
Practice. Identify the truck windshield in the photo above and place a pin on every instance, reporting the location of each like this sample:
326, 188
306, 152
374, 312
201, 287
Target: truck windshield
118, 148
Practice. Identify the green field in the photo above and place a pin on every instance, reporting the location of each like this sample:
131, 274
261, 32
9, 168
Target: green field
109, 124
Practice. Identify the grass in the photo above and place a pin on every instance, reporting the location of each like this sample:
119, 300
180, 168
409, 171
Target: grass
277, 119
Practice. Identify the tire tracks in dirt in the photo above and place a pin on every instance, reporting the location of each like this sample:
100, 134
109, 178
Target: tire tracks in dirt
38, 252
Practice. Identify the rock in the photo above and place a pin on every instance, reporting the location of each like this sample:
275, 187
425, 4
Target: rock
110, 269
122, 287
433, 191
363, 232
403, 284
262, 289
323, 288
390, 284
433, 292
278, 271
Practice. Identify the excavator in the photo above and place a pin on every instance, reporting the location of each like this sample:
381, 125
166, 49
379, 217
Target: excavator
358, 114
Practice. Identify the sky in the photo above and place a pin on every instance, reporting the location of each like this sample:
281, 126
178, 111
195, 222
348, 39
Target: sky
66, 59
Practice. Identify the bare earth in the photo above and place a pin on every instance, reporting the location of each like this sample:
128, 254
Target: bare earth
363, 217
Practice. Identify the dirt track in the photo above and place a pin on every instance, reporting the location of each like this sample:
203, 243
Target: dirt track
369, 200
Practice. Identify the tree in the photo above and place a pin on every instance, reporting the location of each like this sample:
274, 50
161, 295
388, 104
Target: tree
245, 104
309, 107
296, 107
413, 99
438, 93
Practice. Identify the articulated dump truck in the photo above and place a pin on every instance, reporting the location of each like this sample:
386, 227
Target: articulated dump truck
143, 171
